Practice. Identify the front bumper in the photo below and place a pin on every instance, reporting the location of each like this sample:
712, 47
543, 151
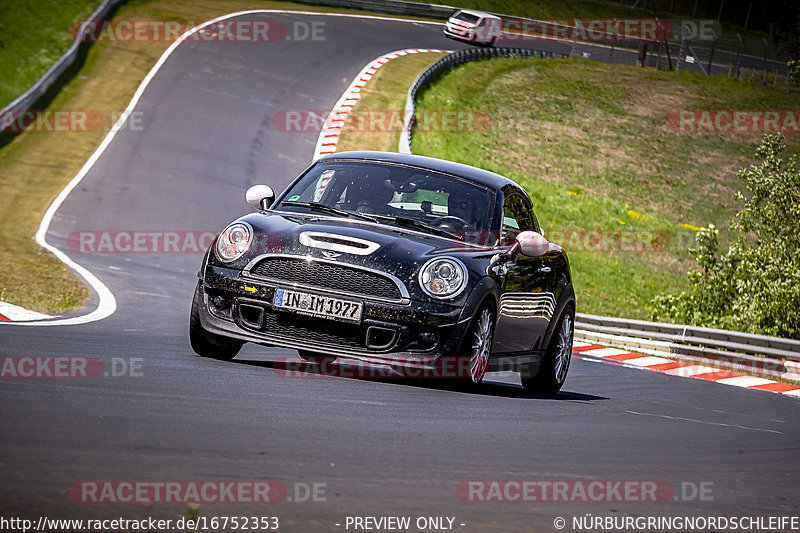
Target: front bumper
459, 34
413, 334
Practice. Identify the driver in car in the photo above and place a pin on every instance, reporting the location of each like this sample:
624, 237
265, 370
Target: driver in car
366, 197
462, 206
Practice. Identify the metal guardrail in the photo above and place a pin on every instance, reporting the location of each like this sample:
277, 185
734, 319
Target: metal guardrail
28, 99
731, 350
762, 344
395, 7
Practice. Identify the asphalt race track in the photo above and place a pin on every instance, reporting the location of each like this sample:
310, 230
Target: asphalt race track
378, 447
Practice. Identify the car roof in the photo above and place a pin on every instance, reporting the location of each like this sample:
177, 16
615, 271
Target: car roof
478, 175
476, 13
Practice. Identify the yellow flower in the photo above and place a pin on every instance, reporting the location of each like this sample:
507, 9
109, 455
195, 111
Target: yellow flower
636, 216
689, 226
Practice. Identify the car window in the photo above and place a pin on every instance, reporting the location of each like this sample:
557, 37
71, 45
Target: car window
396, 190
466, 17
516, 218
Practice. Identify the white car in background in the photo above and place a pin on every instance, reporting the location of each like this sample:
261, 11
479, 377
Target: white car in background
476, 27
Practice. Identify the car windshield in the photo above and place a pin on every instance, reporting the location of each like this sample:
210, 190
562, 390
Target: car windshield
393, 194
466, 17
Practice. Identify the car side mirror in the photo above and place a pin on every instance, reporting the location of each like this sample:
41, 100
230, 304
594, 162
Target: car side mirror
260, 196
531, 243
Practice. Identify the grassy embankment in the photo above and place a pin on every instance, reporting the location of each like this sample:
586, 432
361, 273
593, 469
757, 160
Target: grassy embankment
33, 35
591, 144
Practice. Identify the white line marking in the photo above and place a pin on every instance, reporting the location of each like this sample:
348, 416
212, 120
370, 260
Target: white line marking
707, 422
15, 312
155, 294
689, 371
745, 381
107, 303
647, 361
604, 352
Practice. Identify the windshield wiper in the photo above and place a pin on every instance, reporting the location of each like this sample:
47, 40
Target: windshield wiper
414, 223
330, 209
400, 221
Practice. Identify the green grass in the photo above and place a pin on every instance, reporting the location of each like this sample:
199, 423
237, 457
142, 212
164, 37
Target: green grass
590, 143
33, 35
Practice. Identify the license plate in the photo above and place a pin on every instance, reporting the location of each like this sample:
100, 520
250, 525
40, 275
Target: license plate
316, 305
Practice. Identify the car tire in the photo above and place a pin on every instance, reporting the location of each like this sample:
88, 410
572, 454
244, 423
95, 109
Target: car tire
207, 344
555, 365
477, 345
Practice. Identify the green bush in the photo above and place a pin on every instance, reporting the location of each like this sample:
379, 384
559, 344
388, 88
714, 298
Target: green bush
794, 70
755, 285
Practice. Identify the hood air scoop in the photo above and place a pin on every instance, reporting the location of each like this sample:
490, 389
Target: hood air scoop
337, 243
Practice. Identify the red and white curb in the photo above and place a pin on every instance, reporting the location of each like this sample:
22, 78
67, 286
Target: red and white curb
329, 136
681, 369
15, 313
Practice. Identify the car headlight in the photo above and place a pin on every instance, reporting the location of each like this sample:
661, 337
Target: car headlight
234, 241
443, 277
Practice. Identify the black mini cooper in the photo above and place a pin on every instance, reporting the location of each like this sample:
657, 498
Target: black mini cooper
395, 259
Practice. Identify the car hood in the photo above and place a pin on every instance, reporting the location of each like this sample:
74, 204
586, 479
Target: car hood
284, 232
395, 250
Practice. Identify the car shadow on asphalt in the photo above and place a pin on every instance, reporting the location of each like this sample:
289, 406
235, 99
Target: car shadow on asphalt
296, 368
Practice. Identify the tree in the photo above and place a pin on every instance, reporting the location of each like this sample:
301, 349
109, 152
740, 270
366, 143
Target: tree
783, 17
755, 285
794, 70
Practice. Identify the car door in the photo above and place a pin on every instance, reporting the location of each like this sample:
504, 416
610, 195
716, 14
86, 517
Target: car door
526, 285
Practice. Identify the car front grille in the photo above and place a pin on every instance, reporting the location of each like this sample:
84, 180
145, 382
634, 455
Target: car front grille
314, 330
336, 277
457, 28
